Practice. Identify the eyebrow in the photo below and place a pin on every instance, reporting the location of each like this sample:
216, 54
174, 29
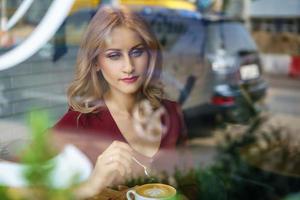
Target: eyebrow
140, 44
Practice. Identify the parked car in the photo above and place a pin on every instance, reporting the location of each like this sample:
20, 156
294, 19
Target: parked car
210, 64
235, 68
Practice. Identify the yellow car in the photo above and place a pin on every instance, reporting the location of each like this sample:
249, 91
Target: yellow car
84, 4
174, 4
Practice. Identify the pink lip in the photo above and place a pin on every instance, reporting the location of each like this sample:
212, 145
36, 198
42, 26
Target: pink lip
130, 79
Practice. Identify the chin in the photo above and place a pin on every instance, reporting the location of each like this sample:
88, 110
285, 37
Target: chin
132, 88
129, 91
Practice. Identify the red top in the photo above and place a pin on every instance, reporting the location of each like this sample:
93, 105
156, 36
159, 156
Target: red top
102, 124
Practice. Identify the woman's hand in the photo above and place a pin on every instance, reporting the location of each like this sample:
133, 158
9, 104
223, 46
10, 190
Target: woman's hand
112, 166
114, 162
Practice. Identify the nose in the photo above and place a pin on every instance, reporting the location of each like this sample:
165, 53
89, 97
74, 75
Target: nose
128, 65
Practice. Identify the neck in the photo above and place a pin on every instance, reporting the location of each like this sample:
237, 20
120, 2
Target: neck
121, 103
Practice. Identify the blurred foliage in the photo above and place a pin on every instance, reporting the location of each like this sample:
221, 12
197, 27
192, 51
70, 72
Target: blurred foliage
201, 184
245, 110
39, 152
37, 158
293, 197
258, 162
241, 179
4, 193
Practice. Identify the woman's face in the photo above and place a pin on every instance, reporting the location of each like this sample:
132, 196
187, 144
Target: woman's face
124, 61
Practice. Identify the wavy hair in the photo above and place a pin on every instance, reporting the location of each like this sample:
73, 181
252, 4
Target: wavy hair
88, 85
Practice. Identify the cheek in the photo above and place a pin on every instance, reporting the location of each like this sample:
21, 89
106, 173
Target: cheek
108, 67
108, 72
142, 64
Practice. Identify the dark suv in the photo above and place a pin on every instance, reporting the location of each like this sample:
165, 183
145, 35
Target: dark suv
211, 63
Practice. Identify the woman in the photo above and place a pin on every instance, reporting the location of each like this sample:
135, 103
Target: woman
118, 67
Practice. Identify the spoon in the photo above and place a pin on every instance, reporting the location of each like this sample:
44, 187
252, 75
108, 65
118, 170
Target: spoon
146, 170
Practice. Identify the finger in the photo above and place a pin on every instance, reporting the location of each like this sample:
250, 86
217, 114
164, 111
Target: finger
116, 155
112, 172
120, 145
120, 157
123, 146
118, 166
117, 152
114, 149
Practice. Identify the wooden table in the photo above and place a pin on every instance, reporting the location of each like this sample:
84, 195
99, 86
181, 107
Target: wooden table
111, 194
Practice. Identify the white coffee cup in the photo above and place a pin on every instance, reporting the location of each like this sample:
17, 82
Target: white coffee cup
153, 191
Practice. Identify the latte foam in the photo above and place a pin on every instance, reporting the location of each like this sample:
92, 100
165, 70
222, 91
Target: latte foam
156, 191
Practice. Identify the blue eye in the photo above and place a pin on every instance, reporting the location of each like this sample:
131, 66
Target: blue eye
137, 52
114, 56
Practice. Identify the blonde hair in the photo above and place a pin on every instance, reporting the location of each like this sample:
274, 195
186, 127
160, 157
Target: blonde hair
89, 85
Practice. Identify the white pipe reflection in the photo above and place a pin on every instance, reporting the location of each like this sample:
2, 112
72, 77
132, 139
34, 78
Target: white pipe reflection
18, 14
3, 15
54, 17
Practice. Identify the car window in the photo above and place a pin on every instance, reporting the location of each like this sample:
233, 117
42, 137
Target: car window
192, 39
232, 36
176, 33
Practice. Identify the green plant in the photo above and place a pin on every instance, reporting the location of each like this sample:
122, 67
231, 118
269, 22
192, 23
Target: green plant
293, 197
38, 153
37, 159
4, 193
260, 162
201, 183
